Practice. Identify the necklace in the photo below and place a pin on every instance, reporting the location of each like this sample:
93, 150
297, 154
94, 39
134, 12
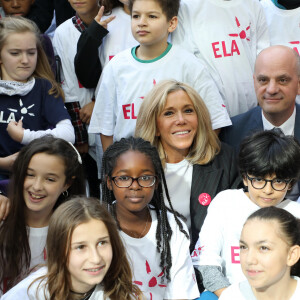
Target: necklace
84, 296
138, 236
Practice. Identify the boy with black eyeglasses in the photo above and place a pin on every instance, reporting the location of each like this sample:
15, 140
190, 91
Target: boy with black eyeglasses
269, 163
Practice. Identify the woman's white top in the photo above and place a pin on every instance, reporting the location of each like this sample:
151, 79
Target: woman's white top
179, 182
37, 242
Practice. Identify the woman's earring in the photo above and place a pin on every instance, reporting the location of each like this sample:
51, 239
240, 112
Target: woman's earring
65, 193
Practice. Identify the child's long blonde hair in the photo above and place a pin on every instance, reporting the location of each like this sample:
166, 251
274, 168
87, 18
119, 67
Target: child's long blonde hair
10, 25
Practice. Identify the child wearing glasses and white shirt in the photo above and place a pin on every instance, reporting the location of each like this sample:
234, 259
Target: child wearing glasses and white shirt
156, 240
269, 163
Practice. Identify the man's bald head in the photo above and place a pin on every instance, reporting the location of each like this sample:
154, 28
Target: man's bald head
277, 82
280, 50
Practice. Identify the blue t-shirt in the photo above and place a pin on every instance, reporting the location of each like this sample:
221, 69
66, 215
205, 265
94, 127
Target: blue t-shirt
38, 111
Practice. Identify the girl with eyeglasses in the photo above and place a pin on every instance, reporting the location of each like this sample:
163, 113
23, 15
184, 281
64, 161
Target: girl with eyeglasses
156, 240
269, 163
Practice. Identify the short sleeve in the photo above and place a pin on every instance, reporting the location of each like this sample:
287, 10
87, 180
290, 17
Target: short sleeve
104, 116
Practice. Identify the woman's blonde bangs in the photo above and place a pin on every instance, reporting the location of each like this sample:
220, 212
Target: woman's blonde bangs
206, 144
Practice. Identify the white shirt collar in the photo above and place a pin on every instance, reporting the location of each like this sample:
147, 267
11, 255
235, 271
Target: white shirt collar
287, 127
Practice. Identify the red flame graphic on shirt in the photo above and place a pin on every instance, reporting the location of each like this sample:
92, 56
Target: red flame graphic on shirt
243, 33
153, 281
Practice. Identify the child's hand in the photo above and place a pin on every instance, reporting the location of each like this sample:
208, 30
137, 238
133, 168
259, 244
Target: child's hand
4, 207
85, 113
16, 130
104, 22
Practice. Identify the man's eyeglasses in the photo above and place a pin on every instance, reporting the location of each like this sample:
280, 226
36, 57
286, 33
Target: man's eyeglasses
276, 183
126, 181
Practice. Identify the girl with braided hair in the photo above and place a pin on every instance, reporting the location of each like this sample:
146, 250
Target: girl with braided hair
156, 240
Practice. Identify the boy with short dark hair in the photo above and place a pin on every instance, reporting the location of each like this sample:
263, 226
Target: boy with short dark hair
170, 8
131, 74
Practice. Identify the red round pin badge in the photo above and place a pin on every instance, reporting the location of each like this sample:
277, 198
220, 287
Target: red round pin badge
204, 199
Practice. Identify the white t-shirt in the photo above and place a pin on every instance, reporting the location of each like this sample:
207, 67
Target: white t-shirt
145, 262
37, 243
125, 81
179, 182
283, 25
119, 38
243, 291
218, 243
227, 35
19, 292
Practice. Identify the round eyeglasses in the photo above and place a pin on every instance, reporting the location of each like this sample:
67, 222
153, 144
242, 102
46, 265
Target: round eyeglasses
276, 183
126, 181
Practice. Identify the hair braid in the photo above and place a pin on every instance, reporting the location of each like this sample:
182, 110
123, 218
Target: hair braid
163, 231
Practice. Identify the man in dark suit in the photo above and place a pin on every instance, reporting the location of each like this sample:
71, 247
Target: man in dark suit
277, 83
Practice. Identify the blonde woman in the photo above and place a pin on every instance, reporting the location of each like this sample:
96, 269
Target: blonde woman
174, 118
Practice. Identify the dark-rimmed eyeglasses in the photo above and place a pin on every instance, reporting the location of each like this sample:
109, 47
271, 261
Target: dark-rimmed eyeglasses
276, 183
126, 181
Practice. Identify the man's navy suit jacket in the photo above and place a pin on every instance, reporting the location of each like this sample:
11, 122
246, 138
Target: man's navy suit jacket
247, 123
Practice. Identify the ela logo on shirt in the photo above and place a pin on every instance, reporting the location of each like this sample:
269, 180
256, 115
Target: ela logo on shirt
230, 50
23, 111
197, 252
130, 110
153, 281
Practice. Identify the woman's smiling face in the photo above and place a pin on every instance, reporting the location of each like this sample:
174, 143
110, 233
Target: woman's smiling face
177, 125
